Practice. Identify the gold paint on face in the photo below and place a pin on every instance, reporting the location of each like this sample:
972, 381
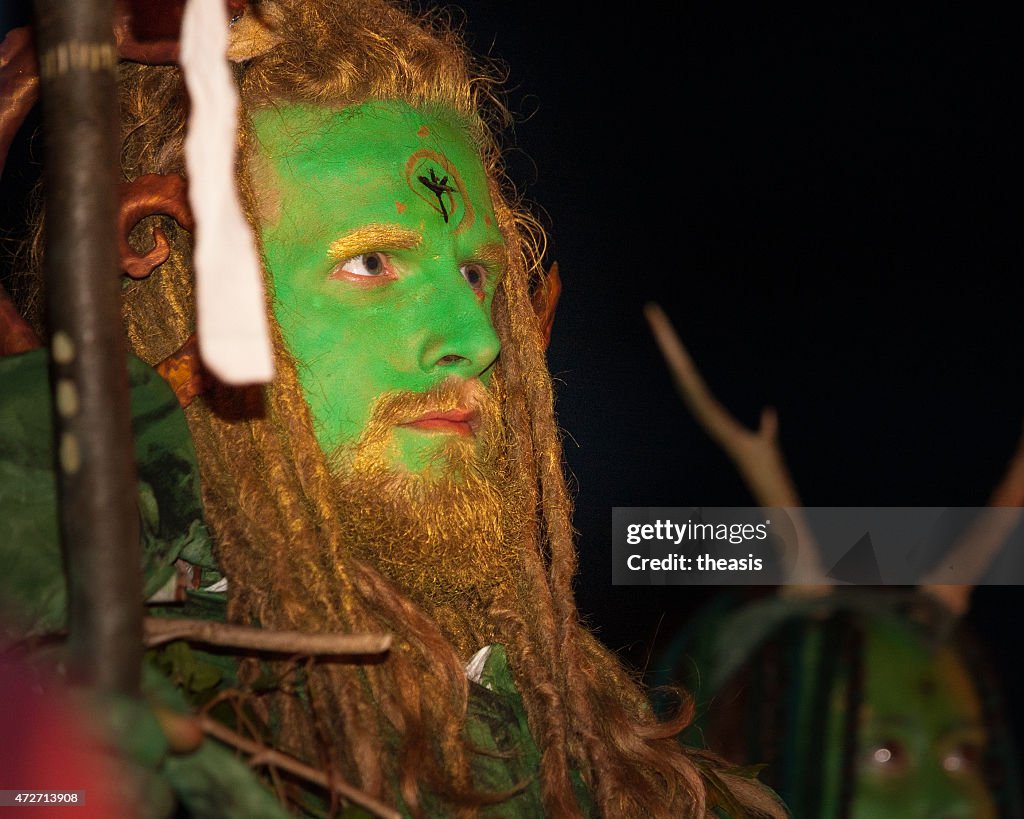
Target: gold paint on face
392, 237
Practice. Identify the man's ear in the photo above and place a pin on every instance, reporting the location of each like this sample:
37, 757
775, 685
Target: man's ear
545, 301
254, 32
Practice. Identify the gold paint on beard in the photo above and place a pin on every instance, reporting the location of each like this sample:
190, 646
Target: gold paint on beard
450, 534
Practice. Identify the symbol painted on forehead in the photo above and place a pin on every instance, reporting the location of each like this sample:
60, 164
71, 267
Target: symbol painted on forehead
438, 187
435, 180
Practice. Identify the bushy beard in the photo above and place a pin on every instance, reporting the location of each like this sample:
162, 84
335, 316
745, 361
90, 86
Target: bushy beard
448, 535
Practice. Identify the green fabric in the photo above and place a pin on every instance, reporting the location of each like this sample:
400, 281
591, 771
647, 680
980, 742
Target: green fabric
210, 782
170, 512
509, 758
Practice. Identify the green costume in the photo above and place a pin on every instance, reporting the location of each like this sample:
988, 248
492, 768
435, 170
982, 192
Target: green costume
209, 782
860, 704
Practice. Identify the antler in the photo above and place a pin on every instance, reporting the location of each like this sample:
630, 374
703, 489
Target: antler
759, 459
973, 553
545, 301
757, 455
1010, 491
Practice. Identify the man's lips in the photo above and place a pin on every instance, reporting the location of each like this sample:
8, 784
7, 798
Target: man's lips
457, 421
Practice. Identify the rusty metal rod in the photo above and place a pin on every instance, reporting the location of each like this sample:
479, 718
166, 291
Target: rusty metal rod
95, 462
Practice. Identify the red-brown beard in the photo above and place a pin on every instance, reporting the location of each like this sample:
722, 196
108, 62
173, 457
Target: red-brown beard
448, 536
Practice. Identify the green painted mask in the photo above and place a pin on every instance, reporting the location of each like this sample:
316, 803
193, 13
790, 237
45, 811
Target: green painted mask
383, 248
851, 703
921, 736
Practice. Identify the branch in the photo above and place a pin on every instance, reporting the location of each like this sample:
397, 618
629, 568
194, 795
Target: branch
973, 554
1010, 491
160, 630
261, 755
757, 455
966, 563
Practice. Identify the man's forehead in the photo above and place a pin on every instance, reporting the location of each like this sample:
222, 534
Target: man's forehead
384, 155
297, 129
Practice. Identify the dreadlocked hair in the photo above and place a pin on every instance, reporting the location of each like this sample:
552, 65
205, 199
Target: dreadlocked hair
396, 727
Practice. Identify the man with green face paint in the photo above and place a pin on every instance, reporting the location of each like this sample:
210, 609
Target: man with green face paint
859, 704
403, 472
922, 736
384, 255
401, 475
384, 260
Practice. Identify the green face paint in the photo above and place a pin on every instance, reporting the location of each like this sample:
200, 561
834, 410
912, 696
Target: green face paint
382, 244
921, 736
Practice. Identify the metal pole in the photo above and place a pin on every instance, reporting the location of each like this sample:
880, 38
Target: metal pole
95, 462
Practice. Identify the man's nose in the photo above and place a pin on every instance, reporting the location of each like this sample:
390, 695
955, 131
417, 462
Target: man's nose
952, 797
460, 338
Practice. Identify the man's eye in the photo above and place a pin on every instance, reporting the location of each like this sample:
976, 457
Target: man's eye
475, 275
365, 265
964, 757
888, 758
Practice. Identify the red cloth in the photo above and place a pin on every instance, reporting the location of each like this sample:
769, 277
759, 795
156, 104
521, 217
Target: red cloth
47, 745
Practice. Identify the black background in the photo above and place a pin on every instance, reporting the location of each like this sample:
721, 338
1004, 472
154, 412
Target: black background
826, 205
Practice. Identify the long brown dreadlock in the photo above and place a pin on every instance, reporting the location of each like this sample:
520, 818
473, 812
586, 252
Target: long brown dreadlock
267, 485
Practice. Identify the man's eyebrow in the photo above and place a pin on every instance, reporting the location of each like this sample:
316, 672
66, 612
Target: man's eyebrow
494, 255
373, 237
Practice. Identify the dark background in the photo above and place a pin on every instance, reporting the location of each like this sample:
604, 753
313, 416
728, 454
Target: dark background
823, 204
826, 204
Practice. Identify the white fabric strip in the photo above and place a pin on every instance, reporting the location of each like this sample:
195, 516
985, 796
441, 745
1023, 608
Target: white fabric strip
234, 340
475, 667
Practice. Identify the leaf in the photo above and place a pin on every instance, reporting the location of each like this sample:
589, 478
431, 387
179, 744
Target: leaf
181, 663
205, 677
213, 784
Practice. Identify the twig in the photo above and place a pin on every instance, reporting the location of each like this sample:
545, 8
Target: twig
1010, 491
159, 630
757, 455
973, 554
268, 756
